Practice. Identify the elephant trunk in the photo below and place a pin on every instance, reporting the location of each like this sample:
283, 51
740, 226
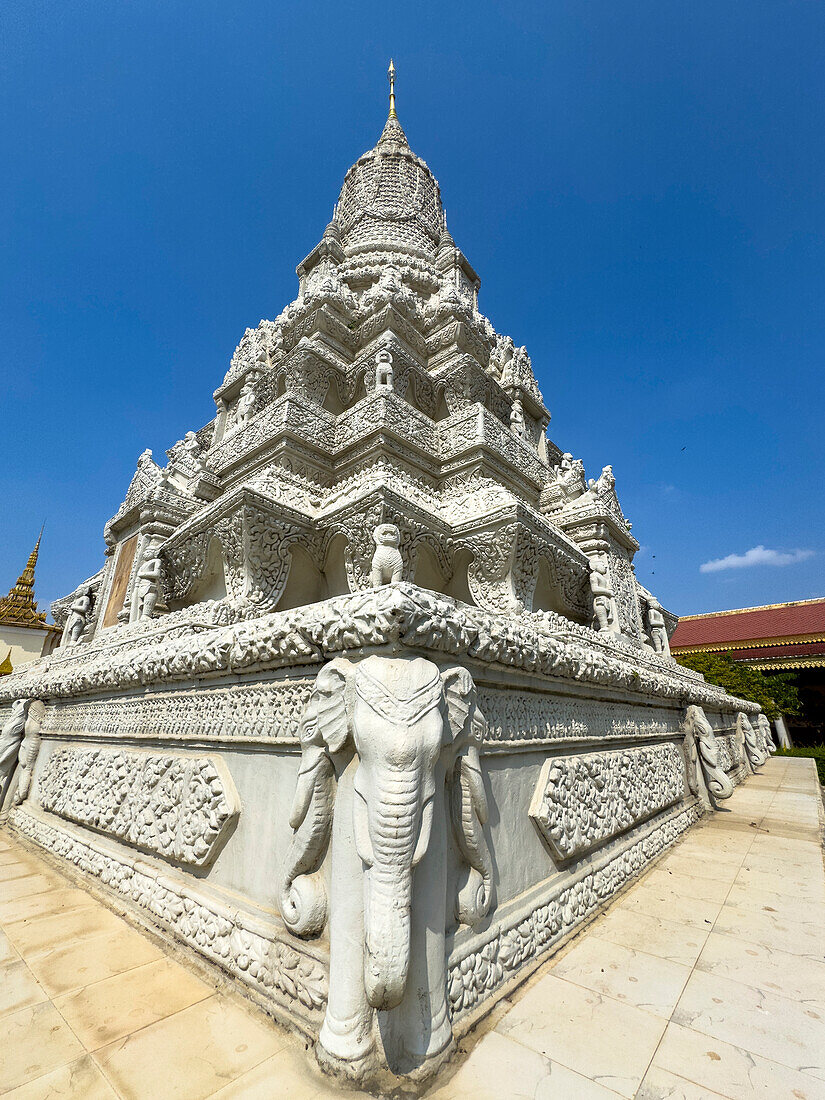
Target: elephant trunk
397, 841
387, 932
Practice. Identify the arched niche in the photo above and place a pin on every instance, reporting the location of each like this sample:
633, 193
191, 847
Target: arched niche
546, 596
427, 573
335, 569
305, 582
458, 587
212, 583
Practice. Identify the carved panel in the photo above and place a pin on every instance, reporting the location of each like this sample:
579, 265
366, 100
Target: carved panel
175, 806
581, 801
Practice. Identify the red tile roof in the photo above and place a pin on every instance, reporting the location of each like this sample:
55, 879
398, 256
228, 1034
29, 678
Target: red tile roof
783, 620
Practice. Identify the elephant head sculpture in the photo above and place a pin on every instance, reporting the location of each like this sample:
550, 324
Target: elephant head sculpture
380, 740
764, 727
756, 754
699, 730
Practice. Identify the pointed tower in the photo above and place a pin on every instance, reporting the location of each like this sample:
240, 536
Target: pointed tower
23, 629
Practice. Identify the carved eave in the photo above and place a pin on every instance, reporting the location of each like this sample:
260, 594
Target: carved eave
170, 507
327, 324
588, 523
326, 249
475, 438
290, 418
389, 319
229, 504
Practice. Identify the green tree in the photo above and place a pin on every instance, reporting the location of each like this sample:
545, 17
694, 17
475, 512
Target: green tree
776, 693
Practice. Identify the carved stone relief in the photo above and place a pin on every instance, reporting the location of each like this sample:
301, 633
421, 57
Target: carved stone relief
178, 807
583, 801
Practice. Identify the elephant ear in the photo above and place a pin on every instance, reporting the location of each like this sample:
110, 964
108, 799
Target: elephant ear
460, 696
324, 731
330, 697
468, 799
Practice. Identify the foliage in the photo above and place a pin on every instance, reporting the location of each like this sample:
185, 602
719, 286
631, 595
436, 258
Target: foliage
815, 752
775, 693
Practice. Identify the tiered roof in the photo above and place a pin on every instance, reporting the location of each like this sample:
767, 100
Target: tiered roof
19, 607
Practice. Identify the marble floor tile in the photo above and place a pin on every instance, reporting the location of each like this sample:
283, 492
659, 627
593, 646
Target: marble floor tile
7, 951
33, 883
92, 959
692, 886
18, 988
661, 1084
729, 1070
117, 1006
764, 1023
499, 1067
45, 933
585, 1032
191, 1055
38, 905
289, 1073
770, 930
781, 905
771, 969
634, 977
669, 904
33, 1042
10, 871
802, 865
697, 866
667, 939
80, 1080
788, 881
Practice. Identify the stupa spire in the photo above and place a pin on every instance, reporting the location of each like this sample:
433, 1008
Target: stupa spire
392, 127
19, 606
391, 78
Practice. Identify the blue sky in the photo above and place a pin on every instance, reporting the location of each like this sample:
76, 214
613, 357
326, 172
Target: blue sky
639, 186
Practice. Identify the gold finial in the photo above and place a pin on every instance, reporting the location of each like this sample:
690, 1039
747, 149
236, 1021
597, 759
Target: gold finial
391, 78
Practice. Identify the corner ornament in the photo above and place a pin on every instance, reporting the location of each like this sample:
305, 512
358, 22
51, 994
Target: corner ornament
700, 740
380, 741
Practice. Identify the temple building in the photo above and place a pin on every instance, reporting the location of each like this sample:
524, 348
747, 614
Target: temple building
365, 704
777, 637
24, 633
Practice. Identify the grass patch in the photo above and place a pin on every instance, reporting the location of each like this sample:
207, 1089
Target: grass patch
814, 752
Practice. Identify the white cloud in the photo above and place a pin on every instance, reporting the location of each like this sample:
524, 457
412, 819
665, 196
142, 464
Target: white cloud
757, 555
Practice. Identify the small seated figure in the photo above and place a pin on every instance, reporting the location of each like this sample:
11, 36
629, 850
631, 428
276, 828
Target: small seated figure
656, 627
78, 618
387, 563
383, 370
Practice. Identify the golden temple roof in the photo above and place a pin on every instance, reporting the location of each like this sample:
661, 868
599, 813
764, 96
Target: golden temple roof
19, 608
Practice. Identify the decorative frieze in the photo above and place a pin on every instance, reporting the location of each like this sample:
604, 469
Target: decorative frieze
520, 716
583, 801
178, 807
268, 711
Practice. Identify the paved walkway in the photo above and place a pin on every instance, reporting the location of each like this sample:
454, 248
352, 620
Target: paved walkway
706, 979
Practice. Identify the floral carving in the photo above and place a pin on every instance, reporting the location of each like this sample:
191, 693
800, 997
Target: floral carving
582, 801
178, 807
